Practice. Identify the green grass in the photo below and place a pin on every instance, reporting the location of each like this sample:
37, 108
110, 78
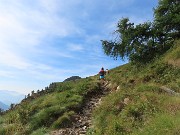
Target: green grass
149, 110
63, 121
162, 124
114, 117
49, 111
40, 131
174, 53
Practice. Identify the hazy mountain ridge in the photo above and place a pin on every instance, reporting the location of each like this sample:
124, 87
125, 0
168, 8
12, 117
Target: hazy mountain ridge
7, 97
3, 106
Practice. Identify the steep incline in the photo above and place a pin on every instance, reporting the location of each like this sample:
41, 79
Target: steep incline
82, 120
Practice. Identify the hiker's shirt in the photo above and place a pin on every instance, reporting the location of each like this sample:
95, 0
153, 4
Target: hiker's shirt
101, 73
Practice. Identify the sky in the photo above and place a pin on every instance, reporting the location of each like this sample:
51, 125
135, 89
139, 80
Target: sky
44, 41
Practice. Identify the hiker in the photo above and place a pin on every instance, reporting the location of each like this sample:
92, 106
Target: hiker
102, 73
107, 72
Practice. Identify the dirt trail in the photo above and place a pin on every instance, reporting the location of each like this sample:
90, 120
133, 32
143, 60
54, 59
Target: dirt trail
83, 118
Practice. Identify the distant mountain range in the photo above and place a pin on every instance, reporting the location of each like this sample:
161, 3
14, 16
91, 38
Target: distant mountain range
3, 106
8, 97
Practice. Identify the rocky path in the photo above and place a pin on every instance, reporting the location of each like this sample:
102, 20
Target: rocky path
83, 119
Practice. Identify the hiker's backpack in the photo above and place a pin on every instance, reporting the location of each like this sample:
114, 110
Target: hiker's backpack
101, 72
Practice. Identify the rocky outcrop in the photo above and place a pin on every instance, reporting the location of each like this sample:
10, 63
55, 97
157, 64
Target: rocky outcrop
169, 91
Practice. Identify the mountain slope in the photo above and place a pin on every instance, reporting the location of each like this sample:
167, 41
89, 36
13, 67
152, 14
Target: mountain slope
141, 104
52, 108
83, 119
137, 103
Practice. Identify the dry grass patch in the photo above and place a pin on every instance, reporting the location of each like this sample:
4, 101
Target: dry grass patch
173, 62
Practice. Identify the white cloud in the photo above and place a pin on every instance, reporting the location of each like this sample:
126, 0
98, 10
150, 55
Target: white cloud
23, 29
7, 74
75, 47
26, 25
10, 59
39, 38
49, 5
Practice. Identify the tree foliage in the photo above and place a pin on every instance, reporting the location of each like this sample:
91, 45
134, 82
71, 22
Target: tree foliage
167, 18
143, 42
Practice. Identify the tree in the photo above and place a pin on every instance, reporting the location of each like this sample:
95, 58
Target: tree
134, 42
72, 78
143, 42
12, 106
1, 111
167, 18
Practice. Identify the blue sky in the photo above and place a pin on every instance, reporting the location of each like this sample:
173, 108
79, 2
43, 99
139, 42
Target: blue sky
44, 41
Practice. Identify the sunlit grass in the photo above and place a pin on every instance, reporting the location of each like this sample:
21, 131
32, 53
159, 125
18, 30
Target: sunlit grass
50, 110
149, 109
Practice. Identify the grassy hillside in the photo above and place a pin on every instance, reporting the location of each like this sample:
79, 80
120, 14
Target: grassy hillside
53, 109
137, 105
140, 105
